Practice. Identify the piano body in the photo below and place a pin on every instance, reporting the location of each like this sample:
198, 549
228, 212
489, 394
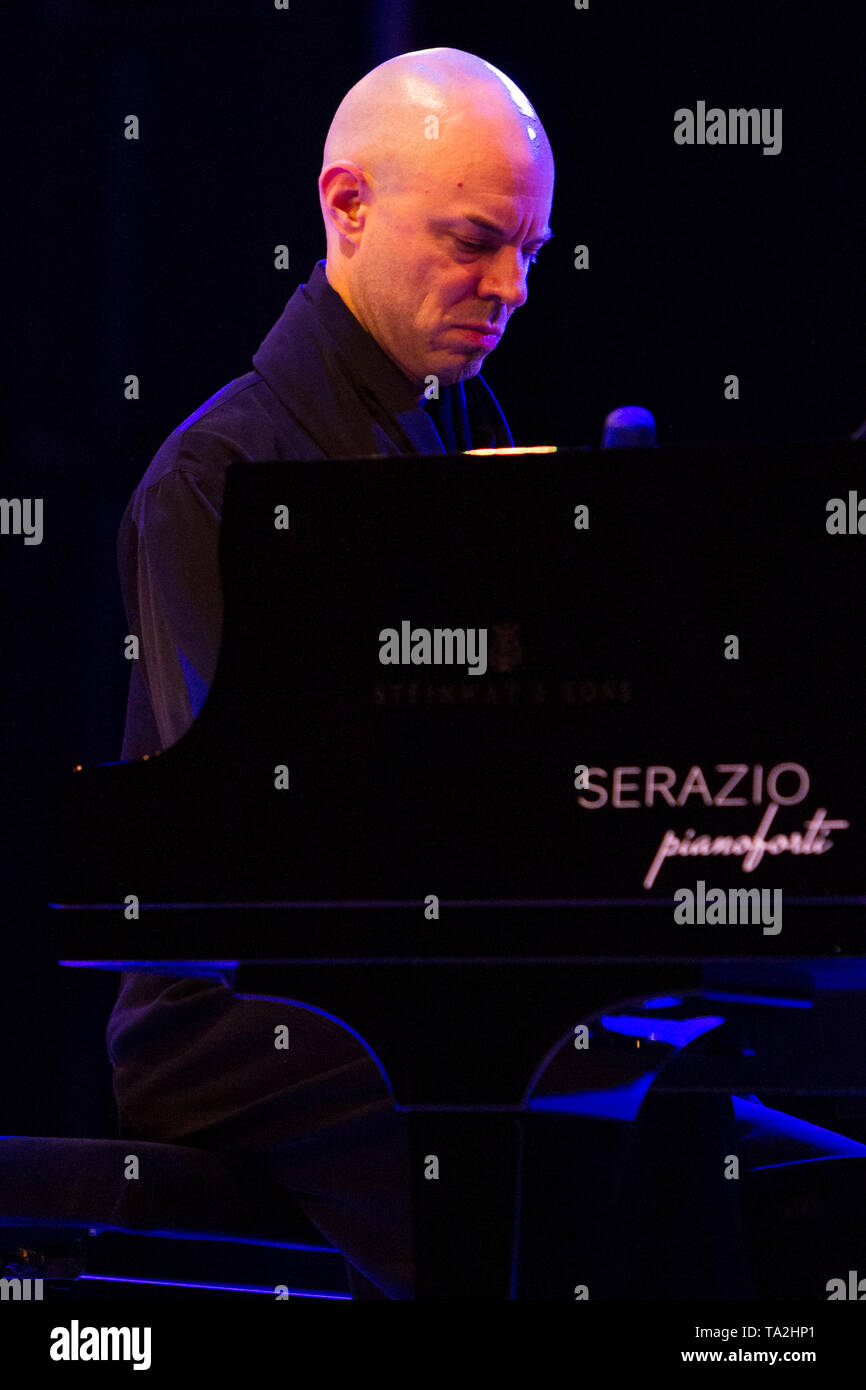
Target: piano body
466, 852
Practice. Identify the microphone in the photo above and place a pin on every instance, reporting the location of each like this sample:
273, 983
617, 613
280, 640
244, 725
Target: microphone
629, 427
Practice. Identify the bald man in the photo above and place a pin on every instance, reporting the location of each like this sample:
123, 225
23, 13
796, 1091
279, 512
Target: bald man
435, 190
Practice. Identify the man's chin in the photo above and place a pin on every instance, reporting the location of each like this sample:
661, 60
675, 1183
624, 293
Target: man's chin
460, 369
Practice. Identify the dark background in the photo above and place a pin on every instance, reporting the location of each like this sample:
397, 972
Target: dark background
155, 257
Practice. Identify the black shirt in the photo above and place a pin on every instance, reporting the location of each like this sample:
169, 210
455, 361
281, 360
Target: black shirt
321, 387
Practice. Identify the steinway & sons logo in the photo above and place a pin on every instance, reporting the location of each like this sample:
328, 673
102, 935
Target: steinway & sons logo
502, 656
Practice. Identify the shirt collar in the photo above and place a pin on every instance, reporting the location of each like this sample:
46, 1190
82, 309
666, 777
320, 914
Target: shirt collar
364, 360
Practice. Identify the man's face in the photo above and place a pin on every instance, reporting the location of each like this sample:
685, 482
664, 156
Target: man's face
452, 248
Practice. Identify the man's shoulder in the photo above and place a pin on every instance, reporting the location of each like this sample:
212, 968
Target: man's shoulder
237, 422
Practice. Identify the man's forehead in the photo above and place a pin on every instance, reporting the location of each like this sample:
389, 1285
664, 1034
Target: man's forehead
486, 164
502, 202
467, 178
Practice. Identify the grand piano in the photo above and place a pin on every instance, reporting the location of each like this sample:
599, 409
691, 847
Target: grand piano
468, 847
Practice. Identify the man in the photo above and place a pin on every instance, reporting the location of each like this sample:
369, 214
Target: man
435, 190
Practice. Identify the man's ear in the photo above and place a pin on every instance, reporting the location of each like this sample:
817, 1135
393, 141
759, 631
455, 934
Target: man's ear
344, 193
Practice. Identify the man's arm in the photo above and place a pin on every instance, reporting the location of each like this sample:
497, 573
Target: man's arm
168, 547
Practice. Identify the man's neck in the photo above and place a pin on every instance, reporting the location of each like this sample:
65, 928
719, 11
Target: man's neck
341, 288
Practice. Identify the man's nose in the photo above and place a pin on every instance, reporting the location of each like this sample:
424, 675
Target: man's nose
505, 278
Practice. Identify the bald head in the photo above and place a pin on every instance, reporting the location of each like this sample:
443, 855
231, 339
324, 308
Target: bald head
435, 189
397, 121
